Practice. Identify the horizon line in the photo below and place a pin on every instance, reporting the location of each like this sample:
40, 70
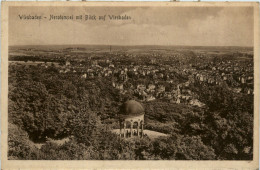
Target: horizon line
131, 45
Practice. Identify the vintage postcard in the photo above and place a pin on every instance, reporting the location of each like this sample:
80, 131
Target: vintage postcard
129, 85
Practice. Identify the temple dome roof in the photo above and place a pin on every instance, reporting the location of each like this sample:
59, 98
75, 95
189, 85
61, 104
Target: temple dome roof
131, 108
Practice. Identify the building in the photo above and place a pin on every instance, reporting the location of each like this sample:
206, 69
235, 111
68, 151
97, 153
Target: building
131, 115
67, 63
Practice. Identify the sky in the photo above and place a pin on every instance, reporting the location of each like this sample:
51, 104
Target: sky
191, 26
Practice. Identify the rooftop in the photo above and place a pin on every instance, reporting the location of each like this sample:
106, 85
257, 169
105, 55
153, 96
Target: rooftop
131, 108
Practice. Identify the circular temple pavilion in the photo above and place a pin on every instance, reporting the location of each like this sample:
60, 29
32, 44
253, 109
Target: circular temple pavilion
131, 119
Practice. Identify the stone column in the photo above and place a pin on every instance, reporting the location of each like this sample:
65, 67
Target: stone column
138, 128
142, 129
131, 130
120, 133
124, 129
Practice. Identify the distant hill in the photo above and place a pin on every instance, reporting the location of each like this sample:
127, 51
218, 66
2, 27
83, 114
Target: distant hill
141, 47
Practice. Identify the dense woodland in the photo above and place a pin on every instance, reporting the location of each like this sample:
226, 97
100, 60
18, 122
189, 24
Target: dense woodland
45, 105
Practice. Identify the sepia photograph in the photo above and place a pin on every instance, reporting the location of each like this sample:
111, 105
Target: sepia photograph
132, 82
